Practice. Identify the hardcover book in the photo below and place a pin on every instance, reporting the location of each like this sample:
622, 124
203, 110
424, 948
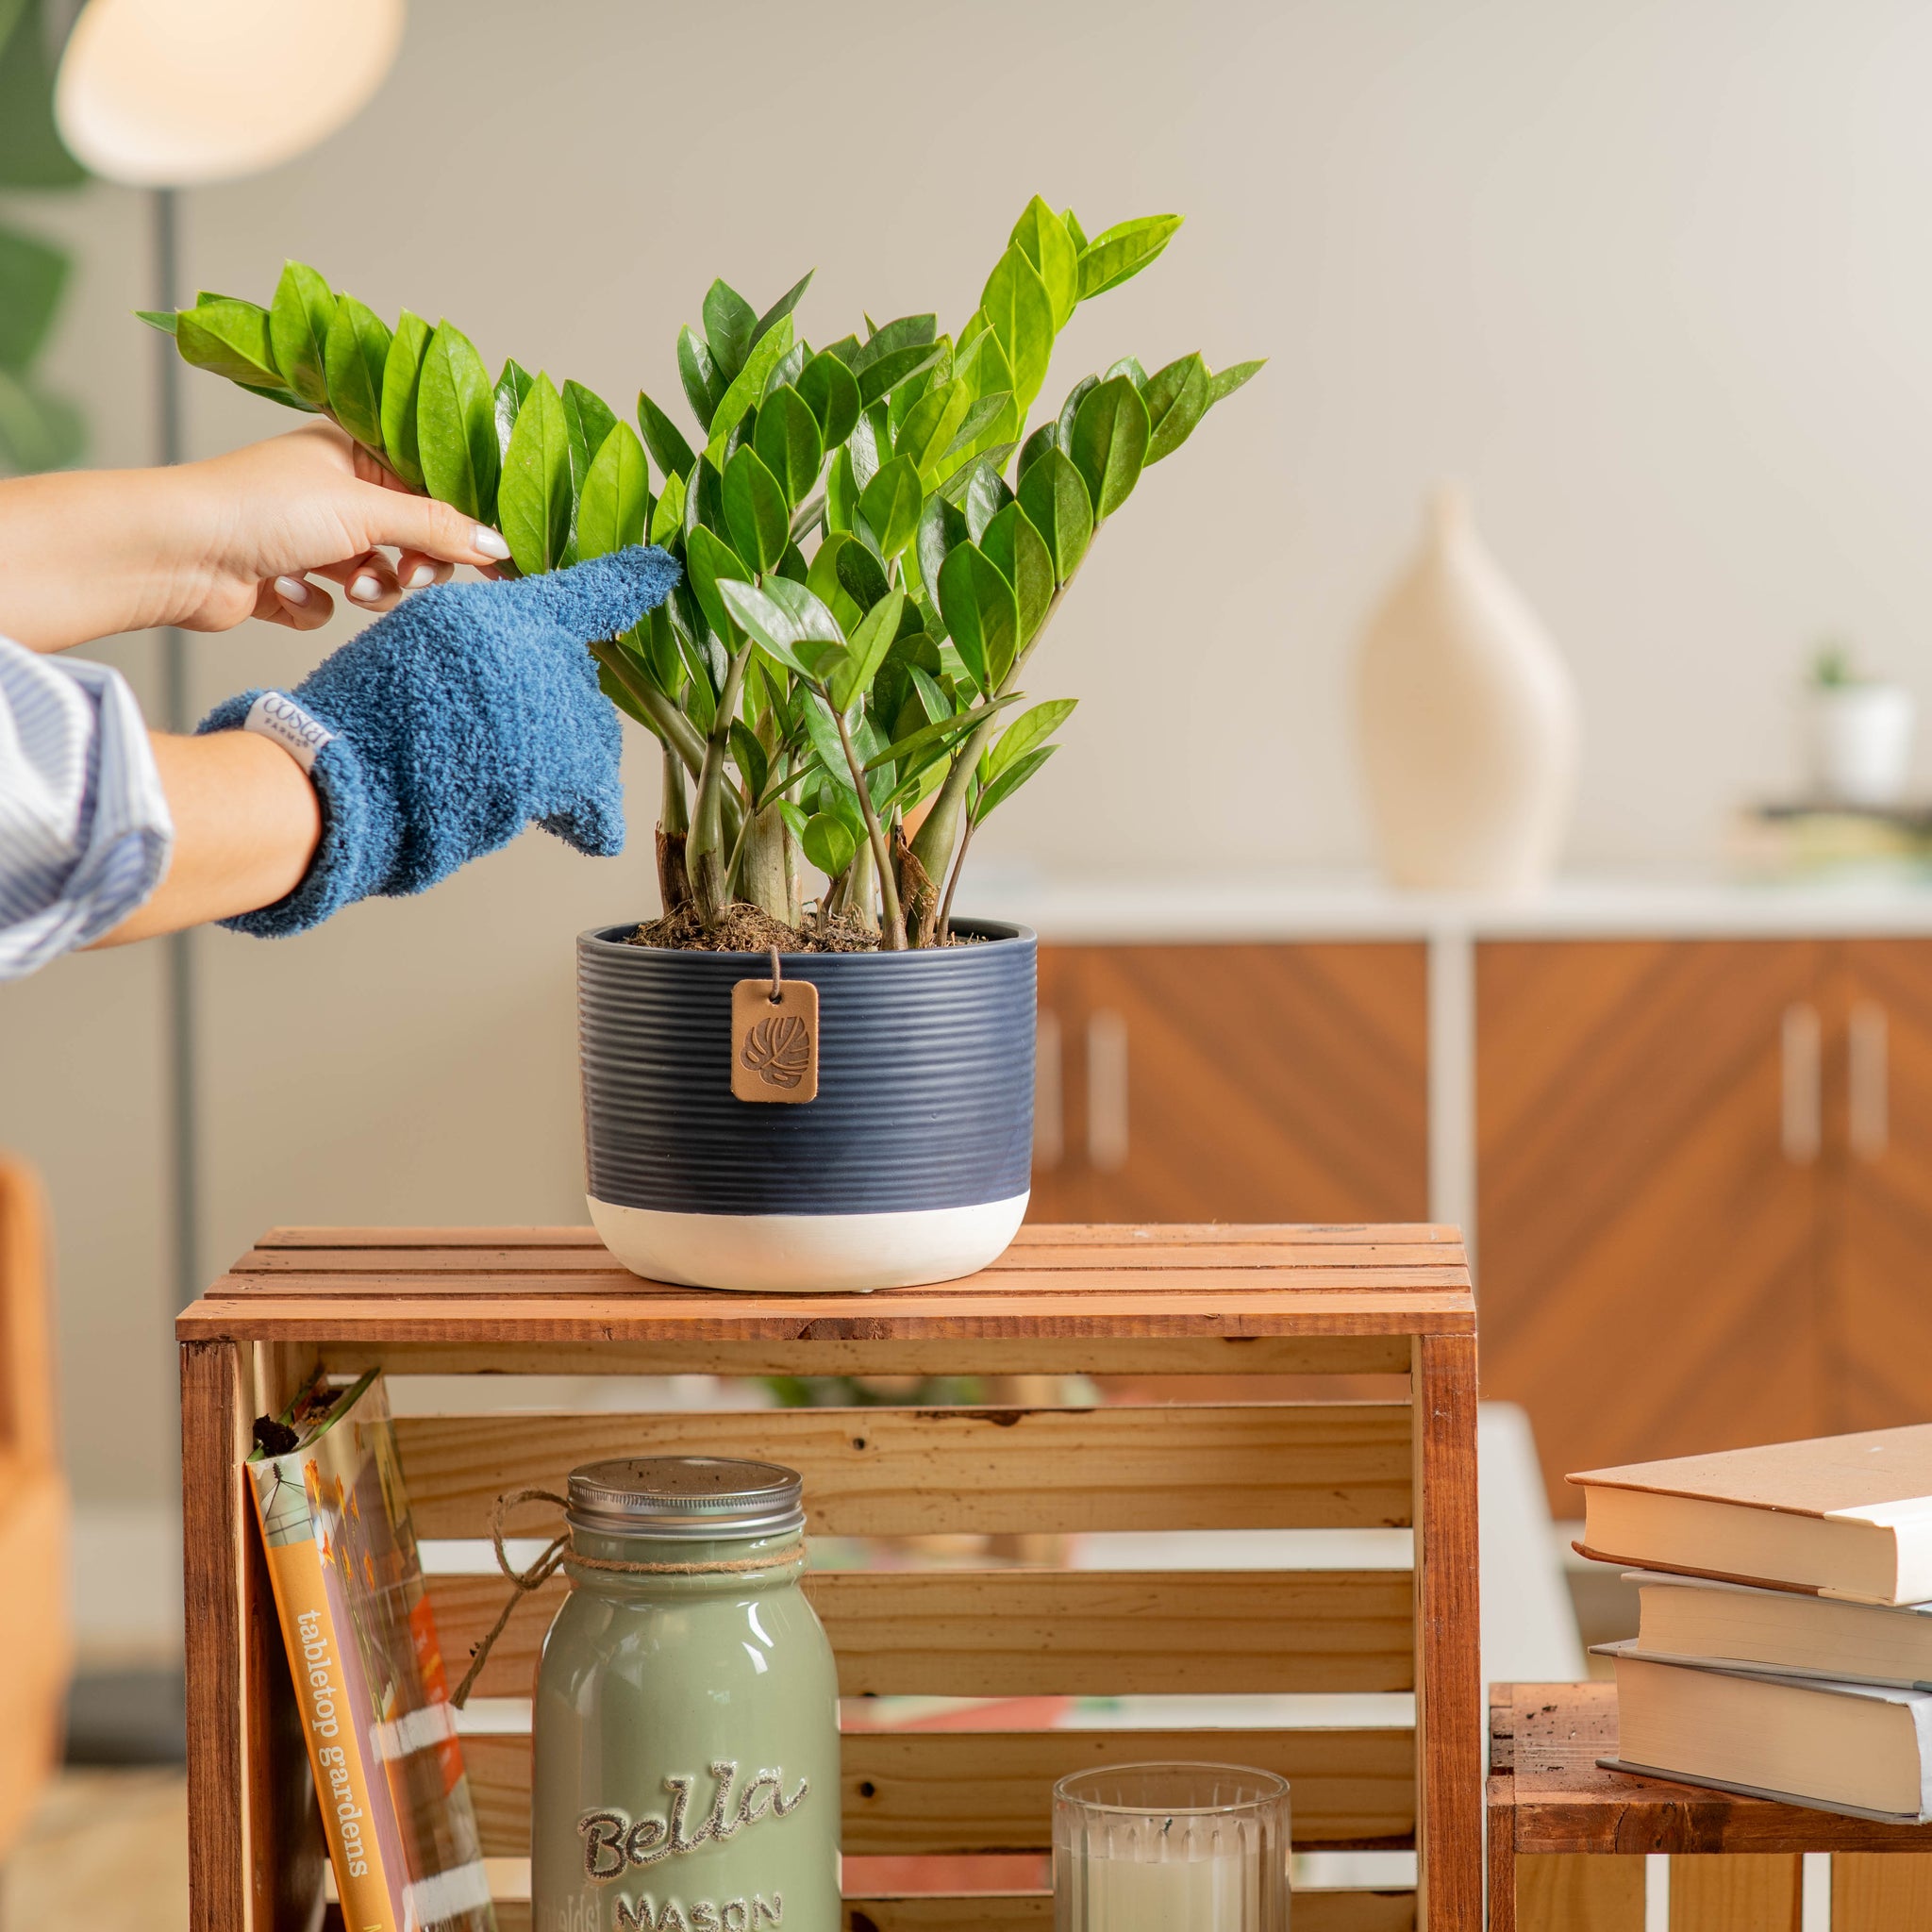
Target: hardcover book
362, 1649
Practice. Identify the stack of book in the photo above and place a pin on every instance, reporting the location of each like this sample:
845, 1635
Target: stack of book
1783, 1648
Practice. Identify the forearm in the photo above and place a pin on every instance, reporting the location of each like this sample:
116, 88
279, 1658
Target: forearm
88, 553
246, 824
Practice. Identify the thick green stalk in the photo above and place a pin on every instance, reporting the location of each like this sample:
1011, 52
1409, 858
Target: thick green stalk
707, 854
758, 875
891, 924
673, 726
673, 830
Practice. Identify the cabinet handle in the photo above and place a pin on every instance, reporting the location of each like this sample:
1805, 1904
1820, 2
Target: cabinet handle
1106, 1090
1802, 1123
1868, 1052
1049, 1092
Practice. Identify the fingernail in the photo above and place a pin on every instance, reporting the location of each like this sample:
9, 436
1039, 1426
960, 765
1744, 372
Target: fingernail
489, 543
291, 590
421, 577
365, 590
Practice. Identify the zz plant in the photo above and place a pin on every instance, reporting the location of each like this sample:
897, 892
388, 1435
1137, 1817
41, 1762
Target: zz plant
873, 544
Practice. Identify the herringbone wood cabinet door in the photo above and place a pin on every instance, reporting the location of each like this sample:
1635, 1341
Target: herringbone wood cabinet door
1235, 1083
1649, 1156
1880, 1217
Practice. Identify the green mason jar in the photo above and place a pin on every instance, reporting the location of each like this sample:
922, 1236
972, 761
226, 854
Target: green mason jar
686, 1712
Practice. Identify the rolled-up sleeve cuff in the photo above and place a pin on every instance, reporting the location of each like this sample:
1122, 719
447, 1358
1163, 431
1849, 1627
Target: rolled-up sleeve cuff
85, 832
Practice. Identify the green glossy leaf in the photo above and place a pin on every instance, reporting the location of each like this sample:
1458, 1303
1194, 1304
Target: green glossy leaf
1122, 252
1023, 558
783, 305
506, 399
932, 700
941, 527
589, 421
1043, 439
456, 424
841, 493
534, 500
667, 514
846, 577
829, 842
981, 613
729, 322
709, 562
703, 385
401, 372
906, 331
1176, 399
752, 764
33, 275
704, 498
353, 359
229, 338
1031, 729
1057, 506
748, 386
162, 319
298, 319
930, 426
979, 422
988, 463
890, 505
1042, 237
899, 404
986, 495
286, 398
1016, 302
785, 371
663, 439
854, 672
1063, 427
793, 564
1074, 227
846, 349
1109, 443
878, 378
949, 731
616, 495
790, 444
756, 513
997, 790
831, 393
867, 447
1222, 385
786, 619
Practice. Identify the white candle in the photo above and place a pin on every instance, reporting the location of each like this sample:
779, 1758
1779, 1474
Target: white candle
1214, 1889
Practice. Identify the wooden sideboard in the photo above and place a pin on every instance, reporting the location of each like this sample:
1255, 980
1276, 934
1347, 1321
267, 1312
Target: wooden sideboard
1696, 1163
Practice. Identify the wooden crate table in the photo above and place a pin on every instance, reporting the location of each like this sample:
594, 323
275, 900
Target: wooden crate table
1568, 1839
1286, 1310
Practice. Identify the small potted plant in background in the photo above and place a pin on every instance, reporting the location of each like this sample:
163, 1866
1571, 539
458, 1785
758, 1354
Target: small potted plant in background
790, 1089
1860, 732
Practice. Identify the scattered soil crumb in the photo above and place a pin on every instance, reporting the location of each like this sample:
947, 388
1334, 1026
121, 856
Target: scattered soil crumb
746, 929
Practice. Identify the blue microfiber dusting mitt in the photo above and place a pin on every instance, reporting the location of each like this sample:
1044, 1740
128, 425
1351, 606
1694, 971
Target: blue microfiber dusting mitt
438, 733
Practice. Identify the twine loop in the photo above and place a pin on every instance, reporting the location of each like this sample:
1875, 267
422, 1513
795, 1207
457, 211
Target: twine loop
557, 1550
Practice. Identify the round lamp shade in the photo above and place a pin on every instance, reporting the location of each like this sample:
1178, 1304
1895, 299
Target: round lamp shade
167, 94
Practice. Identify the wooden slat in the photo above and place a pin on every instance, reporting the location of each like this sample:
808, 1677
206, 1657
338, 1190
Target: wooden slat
1041, 1633
933, 1791
905, 1471
1575, 1895
1032, 1911
1875, 1894
1761, 1893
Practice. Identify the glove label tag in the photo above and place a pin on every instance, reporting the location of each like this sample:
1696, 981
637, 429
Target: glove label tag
281, 718
775, 1040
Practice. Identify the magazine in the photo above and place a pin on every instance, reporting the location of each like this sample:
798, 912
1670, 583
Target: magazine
368, 1671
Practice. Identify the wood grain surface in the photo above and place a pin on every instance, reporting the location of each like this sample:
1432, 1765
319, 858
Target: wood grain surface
1645, 1236
907, 1472
1041, 1633
1264, 1082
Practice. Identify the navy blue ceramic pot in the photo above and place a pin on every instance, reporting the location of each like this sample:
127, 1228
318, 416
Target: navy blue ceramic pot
911, 1164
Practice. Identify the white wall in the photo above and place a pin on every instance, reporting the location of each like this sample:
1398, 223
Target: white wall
1652, 278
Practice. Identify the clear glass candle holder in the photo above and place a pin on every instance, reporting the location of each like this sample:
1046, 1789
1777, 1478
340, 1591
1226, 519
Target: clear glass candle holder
1170, 1848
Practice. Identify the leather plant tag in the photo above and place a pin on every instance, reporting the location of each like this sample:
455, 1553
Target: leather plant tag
775, 1042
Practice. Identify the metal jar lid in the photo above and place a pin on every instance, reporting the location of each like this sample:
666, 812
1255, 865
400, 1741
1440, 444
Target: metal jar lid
686, 1497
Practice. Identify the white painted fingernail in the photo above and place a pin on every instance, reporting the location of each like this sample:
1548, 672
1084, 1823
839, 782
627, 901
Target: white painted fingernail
291, 590
489, 543
421, 577
365, 590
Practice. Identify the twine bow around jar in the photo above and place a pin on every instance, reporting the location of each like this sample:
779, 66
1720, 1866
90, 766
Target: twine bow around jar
557, 1549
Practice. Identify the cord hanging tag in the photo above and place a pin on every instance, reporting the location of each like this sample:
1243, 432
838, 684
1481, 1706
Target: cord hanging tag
775, 1037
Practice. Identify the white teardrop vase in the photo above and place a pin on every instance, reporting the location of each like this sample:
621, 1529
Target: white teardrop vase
1467, 721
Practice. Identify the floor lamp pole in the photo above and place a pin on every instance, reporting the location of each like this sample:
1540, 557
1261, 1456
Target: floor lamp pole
184, 1126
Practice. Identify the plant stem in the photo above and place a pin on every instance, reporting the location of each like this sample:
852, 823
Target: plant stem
892, 927
673, 829
704, 854
673, 726
953, 883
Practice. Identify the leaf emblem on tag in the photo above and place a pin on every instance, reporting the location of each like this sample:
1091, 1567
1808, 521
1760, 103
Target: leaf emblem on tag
775, 1040
779, 1051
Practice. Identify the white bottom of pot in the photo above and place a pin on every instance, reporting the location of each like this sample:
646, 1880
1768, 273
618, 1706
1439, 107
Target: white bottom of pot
808, 1254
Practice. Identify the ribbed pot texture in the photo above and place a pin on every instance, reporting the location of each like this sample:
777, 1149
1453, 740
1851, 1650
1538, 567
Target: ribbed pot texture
924, 1100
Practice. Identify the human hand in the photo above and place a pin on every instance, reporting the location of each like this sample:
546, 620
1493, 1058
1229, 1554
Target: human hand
439, 733
312, 502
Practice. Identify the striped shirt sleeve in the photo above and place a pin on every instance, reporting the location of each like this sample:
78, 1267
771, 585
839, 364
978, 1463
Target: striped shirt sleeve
85, 833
